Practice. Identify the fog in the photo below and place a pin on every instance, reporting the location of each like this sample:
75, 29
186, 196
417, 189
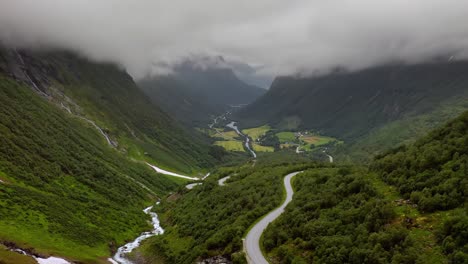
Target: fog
275, 37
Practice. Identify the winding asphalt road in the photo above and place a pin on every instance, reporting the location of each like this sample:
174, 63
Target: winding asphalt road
252, 240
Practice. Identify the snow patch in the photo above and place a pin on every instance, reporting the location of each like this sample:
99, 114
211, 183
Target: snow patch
165, 172
51, 260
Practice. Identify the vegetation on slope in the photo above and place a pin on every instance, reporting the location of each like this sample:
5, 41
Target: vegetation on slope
371, 110
337, 216
108, 96
433, 171
62, 190
349, 215
210, 220
403, 131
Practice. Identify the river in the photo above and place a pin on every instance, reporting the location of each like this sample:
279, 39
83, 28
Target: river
233, 126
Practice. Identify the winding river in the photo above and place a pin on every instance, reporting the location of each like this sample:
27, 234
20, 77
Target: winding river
233, 126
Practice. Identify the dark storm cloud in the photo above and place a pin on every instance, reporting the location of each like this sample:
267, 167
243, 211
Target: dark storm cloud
275, 36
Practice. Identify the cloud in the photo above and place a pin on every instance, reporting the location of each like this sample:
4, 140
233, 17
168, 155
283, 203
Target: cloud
277, 36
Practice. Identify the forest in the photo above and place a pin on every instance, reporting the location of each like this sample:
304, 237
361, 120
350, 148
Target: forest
211, 220
337, 216
410, 206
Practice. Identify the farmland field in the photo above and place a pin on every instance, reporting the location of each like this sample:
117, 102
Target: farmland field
317, 140
286, 136
231, 145
256, 132
260, 148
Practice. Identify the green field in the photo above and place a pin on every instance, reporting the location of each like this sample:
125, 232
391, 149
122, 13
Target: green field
286, 136
228, 135
310, 141
230, 145
7, 256
256, 132
317, 140
260, 148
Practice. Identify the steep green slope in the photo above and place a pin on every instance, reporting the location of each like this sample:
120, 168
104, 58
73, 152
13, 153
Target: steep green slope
433, 171
194, 93
433, 174
410, 208
363, 106
402, 131
109, 97
63, 191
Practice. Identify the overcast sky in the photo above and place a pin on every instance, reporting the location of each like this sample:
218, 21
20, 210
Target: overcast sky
277, 36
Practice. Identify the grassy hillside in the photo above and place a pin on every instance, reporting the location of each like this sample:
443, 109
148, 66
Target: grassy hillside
376, 108
63, 191
405, 130
108, 96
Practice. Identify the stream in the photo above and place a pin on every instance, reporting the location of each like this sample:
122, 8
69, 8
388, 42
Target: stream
119, 257
233, 126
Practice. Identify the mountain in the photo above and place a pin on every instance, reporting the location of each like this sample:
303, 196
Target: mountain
250, 75
375, 108
195, 93
107, 97
75, 138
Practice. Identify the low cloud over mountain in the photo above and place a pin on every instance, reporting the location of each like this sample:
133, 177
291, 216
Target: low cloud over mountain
276, 37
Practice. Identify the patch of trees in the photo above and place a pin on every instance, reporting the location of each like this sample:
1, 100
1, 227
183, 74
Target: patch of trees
453, 235
211, 220
433, 171
337, 216
270, 139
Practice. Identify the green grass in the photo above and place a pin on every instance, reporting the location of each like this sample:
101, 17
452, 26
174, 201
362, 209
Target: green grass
9, 257
226, 135
286, 136
317, 140
256, 132
50, 244
423, 234
260, 148
230, 145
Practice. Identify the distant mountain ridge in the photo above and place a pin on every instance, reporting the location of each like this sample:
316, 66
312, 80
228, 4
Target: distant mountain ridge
194, 93
350, 105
